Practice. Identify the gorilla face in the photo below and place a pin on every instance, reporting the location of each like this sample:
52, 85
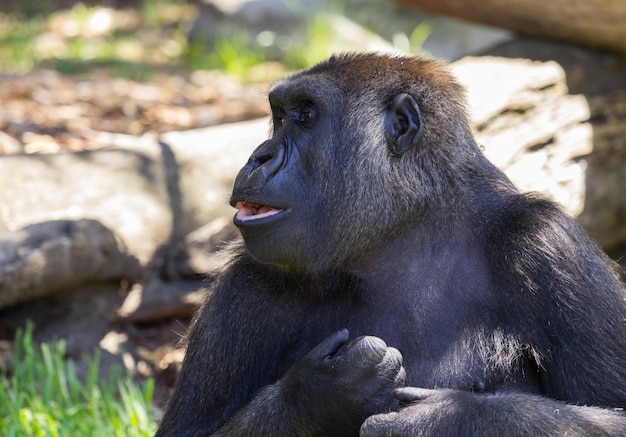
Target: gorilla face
276, 193
301, 191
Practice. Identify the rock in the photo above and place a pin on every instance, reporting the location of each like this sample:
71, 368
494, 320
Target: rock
194, 264
47, 257
208, 160
215, 16
85, 319
151, 194
124, 189
574, 141
158, 300
548, 140
530, 125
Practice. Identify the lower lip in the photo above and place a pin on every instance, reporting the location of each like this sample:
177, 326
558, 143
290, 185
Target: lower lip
258, 218
252, 217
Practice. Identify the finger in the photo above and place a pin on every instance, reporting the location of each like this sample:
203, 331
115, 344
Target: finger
331, 344
400, 378
412, 394
393, 358
391, 367
378, 425
367, 349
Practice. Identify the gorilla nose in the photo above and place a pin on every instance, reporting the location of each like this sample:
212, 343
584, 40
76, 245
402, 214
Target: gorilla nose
266, 164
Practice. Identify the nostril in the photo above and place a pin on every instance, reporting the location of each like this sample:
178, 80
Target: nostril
264, 158
265, 165
258, 161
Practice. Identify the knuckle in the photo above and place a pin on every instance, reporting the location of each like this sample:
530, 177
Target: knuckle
391, 364
369, 348
400, 377
373, 425
393, 358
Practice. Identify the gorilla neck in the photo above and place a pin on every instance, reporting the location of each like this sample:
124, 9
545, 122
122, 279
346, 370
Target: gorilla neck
420, 242
315, 286
431, 244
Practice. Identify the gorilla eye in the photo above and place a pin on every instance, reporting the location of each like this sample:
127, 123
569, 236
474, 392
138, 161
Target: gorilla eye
279, 121
306, 114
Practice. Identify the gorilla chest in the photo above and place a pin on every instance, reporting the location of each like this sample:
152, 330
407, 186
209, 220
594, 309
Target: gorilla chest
452, 346
454, 352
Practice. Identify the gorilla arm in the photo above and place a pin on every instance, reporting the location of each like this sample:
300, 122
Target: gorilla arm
462, 413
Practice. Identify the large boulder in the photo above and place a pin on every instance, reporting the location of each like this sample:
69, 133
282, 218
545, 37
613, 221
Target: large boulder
124, 189
543, 138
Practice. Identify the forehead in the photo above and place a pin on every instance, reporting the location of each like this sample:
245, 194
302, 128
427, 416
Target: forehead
319, 88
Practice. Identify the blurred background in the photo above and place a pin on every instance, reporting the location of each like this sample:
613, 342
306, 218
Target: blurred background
123, 123
194, 51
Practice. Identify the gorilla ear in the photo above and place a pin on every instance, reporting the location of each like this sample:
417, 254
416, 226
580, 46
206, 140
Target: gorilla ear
403, 124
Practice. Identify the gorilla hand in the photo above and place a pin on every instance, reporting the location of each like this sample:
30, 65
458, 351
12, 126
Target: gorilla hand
344, 384
422, 408
462, 413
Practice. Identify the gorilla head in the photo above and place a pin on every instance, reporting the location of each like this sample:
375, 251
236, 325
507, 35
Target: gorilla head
340, 140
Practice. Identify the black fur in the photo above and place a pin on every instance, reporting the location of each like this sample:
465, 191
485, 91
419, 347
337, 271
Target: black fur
394, 225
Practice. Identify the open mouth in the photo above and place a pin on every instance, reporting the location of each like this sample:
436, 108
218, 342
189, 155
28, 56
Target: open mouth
248, 211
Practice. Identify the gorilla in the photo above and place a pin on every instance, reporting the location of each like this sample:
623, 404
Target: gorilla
392, 281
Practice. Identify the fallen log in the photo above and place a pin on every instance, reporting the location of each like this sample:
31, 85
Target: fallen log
592, 23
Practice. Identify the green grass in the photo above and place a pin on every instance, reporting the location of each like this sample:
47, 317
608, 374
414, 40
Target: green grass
156, 41
17, 37
44, 396
319, 36
232, 53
